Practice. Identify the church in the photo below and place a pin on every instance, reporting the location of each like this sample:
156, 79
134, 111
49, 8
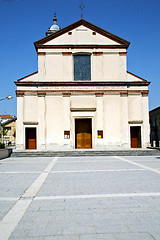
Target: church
82, 96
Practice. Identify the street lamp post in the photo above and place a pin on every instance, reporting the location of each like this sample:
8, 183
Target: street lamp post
6, 98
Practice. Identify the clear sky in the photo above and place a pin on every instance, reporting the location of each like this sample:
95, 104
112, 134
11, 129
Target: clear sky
24, 21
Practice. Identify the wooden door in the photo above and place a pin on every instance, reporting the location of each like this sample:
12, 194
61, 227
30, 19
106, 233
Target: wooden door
83, 133
31, 142
135, 137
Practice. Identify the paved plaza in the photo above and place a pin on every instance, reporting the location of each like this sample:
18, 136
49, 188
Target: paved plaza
80, 198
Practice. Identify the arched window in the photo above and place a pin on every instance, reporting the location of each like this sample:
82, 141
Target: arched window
82, 67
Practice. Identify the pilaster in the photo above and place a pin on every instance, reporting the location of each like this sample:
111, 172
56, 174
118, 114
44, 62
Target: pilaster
41, 65
124, 121
99, 120
145, 118
66, 115
41, 121
20, 144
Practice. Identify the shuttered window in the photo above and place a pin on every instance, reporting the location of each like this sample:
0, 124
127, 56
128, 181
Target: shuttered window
82, 67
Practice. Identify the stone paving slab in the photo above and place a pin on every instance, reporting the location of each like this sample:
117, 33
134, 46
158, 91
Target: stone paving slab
24, 164
84, 218
129, 210
5, 206
91, 183
152, 164
14, 185
83, 165
143, 158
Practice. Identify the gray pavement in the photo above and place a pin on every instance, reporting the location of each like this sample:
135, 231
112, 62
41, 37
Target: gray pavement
80, 198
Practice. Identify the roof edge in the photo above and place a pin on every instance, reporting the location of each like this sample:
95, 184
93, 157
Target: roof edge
138, 77
86, 24
155, 109
26, 76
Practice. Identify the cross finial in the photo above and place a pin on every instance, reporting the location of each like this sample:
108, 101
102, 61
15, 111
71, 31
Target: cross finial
55, 19
82, 7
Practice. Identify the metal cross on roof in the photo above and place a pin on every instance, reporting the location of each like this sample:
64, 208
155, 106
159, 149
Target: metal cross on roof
82, 7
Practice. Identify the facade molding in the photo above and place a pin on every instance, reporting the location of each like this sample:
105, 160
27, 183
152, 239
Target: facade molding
85, 46
65, 93
82, 83
30, 123
83, 109
135, 122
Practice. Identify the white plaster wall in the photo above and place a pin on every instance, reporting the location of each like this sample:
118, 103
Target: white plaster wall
81, 35
97, 68
112, 120
67, 68
134, 107
41, 67
30, 108
54, 121
54, 67
114, 67
83, 101
108, 67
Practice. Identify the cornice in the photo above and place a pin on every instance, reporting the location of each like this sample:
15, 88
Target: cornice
82, 83
68, 93
82, 46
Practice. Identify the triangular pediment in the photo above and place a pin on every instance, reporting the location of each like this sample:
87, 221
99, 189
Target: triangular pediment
82, 33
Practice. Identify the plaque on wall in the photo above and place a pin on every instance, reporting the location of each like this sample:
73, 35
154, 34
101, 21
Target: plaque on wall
100, 133
66, 134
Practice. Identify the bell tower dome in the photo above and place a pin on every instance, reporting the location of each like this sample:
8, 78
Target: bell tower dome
54, 28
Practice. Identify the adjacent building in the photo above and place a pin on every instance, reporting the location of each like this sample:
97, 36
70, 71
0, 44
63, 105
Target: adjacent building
8, 129
82, 95
155, 127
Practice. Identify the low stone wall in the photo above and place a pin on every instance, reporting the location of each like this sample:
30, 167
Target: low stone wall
4, 153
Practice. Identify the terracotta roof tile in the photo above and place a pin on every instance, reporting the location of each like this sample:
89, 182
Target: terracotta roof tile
7, 116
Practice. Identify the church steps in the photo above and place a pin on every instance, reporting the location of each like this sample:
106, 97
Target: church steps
76, 153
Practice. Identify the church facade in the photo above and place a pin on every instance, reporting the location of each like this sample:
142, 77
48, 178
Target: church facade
82, 95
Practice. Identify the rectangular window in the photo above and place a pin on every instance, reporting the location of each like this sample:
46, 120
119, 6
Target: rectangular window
82, 67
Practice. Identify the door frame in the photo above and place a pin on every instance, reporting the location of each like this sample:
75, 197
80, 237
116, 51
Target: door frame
74, 132
24, 140
135, 125
83, 118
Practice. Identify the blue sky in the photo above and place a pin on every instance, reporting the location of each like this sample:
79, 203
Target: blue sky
24, 21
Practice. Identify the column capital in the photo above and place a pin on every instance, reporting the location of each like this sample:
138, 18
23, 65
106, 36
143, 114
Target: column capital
41, 53
66, 94
124, 94
41, 94
19, 94
145, 93
99, 94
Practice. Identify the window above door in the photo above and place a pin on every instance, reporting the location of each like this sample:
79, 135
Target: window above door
82, 67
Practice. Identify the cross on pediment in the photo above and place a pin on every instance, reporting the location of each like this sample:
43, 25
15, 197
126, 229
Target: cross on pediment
81, 7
